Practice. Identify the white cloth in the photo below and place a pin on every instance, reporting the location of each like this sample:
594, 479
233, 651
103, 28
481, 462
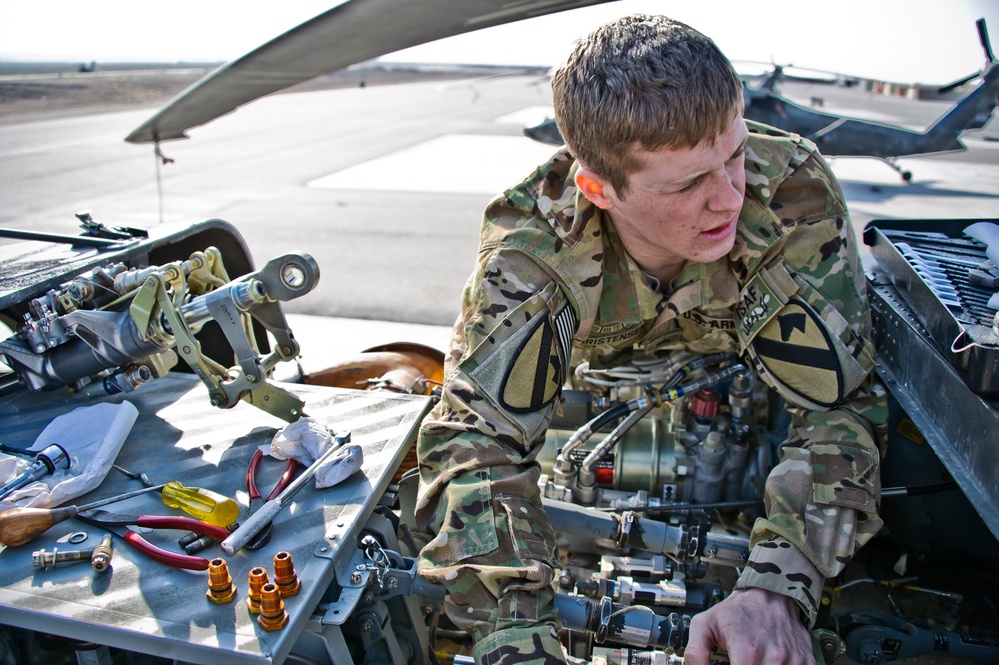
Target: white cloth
305, 441
91, 435
988, 233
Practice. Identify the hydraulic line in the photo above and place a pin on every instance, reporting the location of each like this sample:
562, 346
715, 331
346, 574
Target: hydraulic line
667, 393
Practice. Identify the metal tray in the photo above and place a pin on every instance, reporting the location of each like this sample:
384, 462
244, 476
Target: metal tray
145, 606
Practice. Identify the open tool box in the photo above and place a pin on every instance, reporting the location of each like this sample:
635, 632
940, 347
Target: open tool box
943, 275
938, 351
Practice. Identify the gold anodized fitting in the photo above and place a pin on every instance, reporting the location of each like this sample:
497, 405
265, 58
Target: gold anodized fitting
285, 576
220, 587
272, 613
256, 580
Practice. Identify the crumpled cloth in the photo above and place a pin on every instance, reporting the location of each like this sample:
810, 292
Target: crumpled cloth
91, 435
305, 441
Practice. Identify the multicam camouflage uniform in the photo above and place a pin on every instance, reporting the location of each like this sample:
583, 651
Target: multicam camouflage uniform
553, 272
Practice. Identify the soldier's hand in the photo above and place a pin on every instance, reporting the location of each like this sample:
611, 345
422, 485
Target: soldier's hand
752, 626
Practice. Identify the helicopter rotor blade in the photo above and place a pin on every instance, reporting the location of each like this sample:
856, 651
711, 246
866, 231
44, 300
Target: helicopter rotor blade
983, 37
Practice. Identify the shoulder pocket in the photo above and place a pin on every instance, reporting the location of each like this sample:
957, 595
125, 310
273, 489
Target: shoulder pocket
846, 476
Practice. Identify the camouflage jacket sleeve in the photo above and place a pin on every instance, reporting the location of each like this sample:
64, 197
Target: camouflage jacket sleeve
822, 497
493, 547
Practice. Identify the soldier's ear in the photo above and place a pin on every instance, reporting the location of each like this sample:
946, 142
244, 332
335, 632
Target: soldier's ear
591, 186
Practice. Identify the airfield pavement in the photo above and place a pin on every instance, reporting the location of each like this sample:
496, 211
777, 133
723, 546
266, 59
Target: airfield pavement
383, 184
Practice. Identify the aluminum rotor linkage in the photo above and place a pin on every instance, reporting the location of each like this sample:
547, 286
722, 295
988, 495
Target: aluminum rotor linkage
113, 323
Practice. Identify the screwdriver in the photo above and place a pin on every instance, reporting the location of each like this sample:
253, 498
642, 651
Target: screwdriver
21, 525
53, 458
202, 504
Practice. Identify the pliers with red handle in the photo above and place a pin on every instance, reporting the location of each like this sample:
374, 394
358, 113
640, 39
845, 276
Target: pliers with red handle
264, 536
116, 524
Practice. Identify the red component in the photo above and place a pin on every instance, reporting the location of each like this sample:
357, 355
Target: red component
705, 403
605, 476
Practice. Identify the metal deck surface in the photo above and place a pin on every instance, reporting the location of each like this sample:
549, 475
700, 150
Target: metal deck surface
145, 606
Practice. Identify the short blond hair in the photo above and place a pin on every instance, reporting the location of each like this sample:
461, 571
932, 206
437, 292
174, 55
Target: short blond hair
645, 82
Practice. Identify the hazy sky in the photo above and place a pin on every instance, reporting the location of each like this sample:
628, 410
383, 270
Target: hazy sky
931, 41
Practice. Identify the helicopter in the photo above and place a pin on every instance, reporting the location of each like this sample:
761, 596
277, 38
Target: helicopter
843, 136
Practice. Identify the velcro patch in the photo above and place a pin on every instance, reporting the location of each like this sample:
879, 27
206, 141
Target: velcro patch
797, 350
535, 375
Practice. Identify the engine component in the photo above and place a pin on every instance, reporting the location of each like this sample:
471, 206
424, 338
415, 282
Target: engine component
874, 637
115, 328
631, 625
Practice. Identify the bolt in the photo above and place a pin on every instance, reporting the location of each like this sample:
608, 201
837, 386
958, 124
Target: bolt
393, 583
367, 625
252, 378
710, 551
44, 560
355, 578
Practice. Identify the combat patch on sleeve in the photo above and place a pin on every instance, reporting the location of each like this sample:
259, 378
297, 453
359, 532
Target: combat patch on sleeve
537, 370
798, 351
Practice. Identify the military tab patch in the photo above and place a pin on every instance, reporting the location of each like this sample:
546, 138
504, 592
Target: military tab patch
535, 375
797, 350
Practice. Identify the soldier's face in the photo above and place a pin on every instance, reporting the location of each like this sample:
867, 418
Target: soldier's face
684, 204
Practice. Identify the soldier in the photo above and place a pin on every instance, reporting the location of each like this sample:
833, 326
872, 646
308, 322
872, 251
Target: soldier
667, 223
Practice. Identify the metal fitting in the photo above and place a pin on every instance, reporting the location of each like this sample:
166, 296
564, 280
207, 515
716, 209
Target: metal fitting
100, 559
221, 590
44, 560
256, 581
285, 576
272, 613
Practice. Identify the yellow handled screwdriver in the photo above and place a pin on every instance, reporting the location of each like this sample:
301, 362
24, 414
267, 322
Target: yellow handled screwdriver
205, 505
202, 504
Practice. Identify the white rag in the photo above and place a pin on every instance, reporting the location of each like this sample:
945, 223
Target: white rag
305, 441
91, 435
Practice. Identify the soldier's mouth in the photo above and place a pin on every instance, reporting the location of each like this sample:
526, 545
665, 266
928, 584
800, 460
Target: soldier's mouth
721, 232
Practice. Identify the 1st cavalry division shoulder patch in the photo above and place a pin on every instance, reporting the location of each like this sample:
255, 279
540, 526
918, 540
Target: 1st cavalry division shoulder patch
797, 350
535, 376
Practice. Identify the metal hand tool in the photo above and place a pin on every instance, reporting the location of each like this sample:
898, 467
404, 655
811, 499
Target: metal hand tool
117, 525
269, 510
50, 459
264, 536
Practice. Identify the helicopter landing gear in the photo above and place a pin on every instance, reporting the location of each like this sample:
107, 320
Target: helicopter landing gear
893, 163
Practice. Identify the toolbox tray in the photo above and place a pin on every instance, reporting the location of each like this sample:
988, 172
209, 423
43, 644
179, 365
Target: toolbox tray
953, 309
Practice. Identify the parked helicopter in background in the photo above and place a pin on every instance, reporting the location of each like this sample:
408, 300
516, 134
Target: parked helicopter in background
843, 136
